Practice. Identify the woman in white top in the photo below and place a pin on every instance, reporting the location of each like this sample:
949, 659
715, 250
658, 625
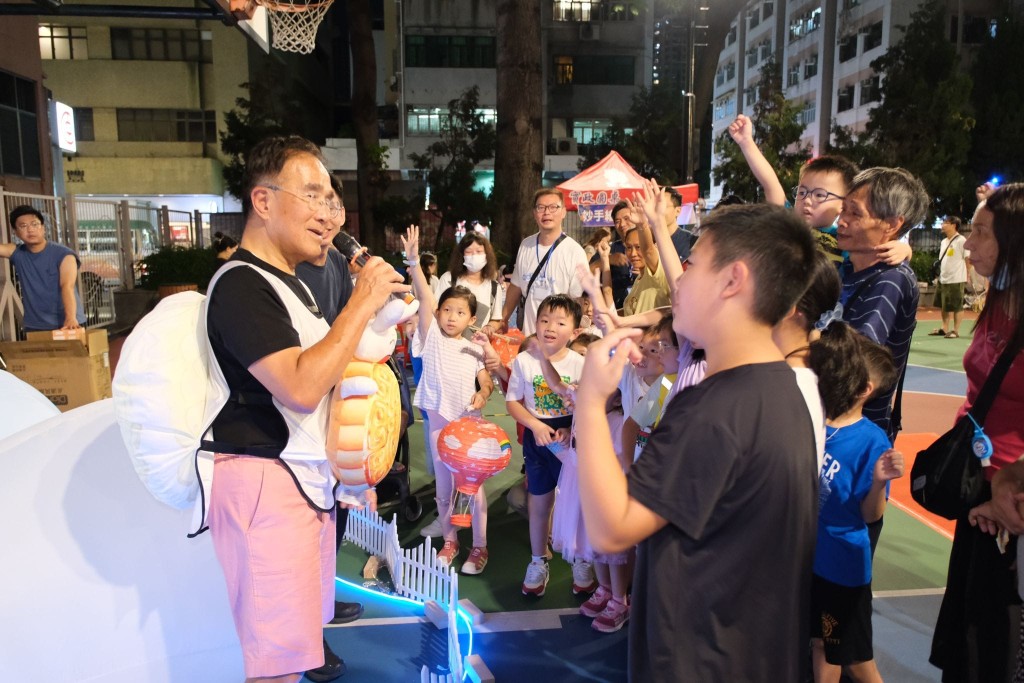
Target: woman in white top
474, 266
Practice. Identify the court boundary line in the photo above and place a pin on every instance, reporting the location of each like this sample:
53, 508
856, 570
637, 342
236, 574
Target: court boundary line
920, 518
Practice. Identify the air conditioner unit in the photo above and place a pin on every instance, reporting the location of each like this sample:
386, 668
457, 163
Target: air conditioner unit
565, 146
590, 32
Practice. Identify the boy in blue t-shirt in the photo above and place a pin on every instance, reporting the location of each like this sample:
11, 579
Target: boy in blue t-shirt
853, 486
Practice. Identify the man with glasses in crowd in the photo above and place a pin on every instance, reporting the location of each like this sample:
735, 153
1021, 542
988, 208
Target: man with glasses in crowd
47, 272
272, 502
546, 262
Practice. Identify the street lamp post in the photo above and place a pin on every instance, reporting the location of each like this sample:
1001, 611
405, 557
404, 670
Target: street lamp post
689, 105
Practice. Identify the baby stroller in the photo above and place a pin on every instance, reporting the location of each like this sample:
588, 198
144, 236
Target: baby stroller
395, 484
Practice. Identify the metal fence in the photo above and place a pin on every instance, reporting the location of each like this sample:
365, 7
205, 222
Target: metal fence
111, 238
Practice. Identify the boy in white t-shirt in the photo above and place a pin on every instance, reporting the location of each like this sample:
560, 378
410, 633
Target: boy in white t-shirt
547, 420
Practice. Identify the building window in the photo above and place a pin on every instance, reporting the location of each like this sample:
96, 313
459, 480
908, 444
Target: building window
749, 97
754, 17
804, 24
162, 44
766, 50
977, 29
793, 75
730, 38
730, 71
432, 120
84, 131
588, 131
811, 67
595, 70
844, 99
62, 42
166, 125
459, 52
594, 10
563, 70
725, 108
872, 36
19, 128
847, 48
719, 77
752, 57
809, 113
850, 4
767, 10
869, 90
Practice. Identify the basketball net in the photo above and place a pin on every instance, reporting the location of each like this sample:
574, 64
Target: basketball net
293, 23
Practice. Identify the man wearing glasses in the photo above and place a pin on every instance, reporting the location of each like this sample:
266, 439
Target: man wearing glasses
546, 262
48, 274
272, 503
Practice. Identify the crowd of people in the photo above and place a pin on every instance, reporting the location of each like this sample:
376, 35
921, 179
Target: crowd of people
707, 417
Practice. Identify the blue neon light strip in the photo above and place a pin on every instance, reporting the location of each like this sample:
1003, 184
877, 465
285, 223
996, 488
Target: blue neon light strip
459, 612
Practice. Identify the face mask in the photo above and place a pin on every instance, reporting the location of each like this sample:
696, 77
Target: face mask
475, 263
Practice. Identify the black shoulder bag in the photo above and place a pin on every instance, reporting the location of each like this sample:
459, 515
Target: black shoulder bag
521, 312
948, 478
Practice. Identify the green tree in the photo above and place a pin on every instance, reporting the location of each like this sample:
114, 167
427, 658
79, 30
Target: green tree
777, 131
649, 137
923, 121
269, 110
998, 97
466, 140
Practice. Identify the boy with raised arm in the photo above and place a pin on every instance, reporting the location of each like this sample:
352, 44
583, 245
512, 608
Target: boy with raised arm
723, 503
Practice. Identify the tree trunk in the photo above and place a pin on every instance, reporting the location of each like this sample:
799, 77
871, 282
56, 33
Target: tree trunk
519, 154
364, 121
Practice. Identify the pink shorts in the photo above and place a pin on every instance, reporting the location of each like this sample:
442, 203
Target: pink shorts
278, 557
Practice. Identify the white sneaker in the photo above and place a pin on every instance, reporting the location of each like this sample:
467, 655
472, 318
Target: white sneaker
536, 581
432, 530
583, 579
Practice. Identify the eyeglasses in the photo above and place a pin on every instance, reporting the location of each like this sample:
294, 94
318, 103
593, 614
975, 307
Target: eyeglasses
818, 194
661, 347
35, 225
313, 201
547, 208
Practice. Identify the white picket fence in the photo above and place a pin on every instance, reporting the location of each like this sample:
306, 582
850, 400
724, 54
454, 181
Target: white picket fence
416, 574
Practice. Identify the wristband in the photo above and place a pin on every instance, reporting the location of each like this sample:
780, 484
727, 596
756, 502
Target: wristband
412, 264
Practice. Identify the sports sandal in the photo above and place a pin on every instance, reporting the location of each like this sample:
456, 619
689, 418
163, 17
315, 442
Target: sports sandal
952, 335
937, 333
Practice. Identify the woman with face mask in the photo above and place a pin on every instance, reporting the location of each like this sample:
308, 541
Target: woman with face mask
474, 266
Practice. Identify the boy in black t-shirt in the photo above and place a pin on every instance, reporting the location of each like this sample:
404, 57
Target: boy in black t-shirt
723, 503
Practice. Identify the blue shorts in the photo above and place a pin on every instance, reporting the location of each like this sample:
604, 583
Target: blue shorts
542, 466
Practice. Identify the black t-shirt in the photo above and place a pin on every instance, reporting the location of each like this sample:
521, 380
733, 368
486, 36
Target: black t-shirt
721, 593
247, 321
622, 276
330, 283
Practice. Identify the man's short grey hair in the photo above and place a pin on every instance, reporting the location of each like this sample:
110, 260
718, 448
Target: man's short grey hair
894, 193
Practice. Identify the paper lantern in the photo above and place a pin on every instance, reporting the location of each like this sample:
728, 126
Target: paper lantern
507, 345
474, 450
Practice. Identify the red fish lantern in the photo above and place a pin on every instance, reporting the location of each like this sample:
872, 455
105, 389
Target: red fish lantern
474, 450
507, 345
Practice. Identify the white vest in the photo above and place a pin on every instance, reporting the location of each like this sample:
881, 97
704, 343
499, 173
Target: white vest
305, 454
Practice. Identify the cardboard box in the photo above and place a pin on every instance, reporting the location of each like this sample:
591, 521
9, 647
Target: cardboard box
69, 367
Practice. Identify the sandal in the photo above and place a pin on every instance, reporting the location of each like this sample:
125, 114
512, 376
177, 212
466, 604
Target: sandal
952, 335
937, 333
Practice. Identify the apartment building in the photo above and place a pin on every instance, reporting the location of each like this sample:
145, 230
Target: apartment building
825, 48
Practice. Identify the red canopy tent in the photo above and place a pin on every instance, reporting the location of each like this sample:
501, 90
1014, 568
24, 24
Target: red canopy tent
596, 189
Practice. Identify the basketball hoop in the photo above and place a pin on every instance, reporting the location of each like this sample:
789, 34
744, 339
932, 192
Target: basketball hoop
293, 23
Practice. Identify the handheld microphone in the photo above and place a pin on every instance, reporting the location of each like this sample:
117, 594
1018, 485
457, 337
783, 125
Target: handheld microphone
353, 252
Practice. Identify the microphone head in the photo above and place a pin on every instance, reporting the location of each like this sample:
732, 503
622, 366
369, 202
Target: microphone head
347, 245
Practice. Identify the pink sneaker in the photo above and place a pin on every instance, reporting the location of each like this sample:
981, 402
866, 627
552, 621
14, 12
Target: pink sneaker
612, 618
476, 561
596, 603
448, 553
